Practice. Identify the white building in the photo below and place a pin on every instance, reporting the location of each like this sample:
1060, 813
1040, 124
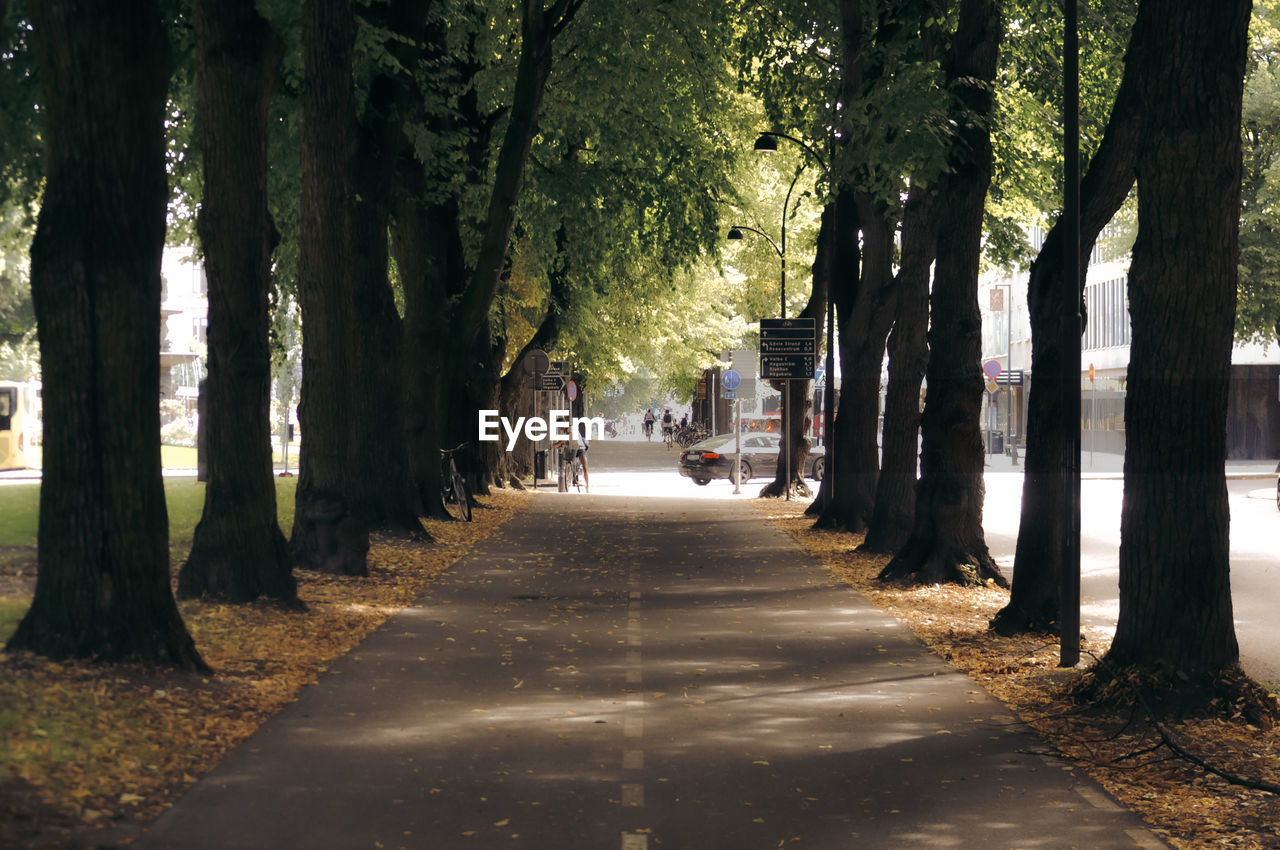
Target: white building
184, 314
1253, 417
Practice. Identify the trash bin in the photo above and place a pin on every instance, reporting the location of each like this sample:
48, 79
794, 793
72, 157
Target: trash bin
997, 442
539, 465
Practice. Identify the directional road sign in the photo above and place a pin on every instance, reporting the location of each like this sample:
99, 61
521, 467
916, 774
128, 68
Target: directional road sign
553, 379
788, 348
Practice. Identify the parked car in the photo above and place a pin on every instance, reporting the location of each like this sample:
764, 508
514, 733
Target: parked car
715, 458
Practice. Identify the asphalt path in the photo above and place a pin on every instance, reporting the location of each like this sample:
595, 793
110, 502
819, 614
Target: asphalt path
646, 666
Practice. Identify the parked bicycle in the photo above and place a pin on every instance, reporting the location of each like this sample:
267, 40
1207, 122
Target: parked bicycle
453, 489
687, 435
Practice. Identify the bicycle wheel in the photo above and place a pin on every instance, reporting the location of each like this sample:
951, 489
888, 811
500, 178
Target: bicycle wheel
461, 499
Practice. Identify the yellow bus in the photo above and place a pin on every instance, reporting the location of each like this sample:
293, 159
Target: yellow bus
13, 439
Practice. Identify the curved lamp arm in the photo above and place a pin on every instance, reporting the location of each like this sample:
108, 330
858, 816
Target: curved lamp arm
735, 232
765, 142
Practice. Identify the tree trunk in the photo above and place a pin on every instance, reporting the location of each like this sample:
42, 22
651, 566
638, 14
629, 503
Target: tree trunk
864, 328
947, 542
329, 534
428, 254
239, 553
894, 513
103, 586
1175, 595
1037, 566
386, 498
863, 286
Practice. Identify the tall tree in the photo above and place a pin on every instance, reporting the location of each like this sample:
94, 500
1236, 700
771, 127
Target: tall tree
893, 515
238, 553
448, 290
385, 497
1175, 600
103, 586
1037, 566
330, 533
947, 542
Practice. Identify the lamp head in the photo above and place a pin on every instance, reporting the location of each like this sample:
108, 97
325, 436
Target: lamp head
735, 233
766, 143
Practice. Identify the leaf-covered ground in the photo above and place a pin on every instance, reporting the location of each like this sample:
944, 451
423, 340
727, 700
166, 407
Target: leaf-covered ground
94, 753
1119, 746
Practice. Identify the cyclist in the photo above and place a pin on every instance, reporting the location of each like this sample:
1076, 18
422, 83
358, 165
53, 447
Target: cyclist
668, 426
648, 425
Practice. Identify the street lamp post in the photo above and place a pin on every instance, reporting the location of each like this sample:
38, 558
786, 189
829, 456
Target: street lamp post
735, 232
1069, 379
767, 142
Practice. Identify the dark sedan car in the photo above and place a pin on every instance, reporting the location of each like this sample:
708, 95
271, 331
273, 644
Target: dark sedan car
714, 458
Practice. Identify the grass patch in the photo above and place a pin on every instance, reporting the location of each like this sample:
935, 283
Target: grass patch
20, 510
11, 611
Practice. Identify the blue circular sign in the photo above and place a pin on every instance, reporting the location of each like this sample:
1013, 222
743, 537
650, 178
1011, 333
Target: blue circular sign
730, 380
573, 391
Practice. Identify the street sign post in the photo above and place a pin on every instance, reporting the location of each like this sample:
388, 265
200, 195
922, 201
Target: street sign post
788, 351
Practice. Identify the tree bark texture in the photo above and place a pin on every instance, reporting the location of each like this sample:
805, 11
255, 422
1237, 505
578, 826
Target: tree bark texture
103, 586
841, 251
1037, 567
947, 541
863, 286
428, 253
239, 552
893, 515
385, 496
1175, 599
864, 328
329, 533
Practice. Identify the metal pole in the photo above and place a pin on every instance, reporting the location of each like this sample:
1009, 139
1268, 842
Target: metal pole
786, 384
829, 396
1069, 603
737, 447
1012, 446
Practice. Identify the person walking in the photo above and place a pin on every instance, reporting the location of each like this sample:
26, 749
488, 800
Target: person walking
583, 446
